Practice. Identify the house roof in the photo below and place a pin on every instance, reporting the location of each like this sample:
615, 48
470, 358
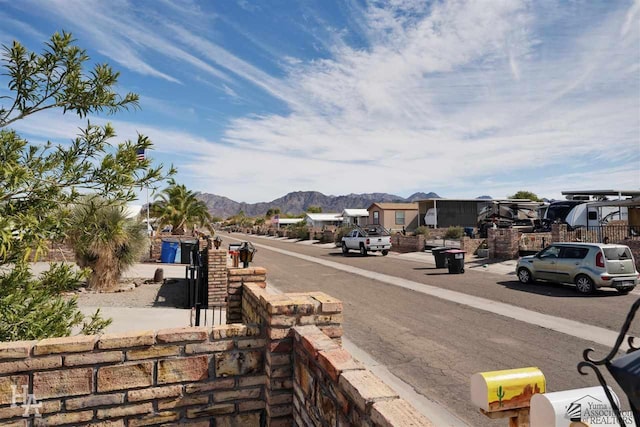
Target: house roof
355, 212
389, 206
627, 202
324, 216
286, 221
438, 199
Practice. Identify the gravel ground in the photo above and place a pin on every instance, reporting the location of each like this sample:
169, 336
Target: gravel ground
170, 294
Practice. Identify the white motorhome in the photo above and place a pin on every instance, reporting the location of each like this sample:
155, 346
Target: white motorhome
582, 210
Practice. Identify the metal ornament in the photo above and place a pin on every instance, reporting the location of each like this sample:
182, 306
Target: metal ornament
625, 369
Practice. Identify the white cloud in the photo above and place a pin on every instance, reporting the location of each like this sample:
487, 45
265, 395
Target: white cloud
459, 97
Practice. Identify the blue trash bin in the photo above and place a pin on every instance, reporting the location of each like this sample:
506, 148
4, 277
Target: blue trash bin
168, 251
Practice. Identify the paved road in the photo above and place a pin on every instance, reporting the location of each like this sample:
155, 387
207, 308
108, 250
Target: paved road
436, 344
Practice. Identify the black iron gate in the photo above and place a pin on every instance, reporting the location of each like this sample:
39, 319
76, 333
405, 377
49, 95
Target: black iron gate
197, 276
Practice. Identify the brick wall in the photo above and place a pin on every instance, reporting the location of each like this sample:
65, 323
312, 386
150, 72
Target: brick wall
634, 245
231, 375
470, 245
184, 376
401, 243
535, 241
503, 243
331, 388
57, 252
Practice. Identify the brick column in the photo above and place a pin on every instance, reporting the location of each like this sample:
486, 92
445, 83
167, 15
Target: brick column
217, 276
503, 243
491, 241
558, 233
236, 278
278, 314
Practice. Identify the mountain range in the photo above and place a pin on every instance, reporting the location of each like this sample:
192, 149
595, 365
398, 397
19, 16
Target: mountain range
299, 201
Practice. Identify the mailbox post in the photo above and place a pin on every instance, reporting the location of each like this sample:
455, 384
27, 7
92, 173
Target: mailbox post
234, 253
506, 394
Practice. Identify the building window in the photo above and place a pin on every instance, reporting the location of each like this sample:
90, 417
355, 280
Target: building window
399, 217
376, 217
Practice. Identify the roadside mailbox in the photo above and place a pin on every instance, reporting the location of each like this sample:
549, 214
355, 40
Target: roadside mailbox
234, 253
588, 406
507, 393
246, 251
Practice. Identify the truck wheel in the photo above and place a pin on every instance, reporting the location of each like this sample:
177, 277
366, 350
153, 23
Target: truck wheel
385, 252
363, 250
345, 249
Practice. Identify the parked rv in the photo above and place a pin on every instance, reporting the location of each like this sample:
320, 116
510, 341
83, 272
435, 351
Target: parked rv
583, 213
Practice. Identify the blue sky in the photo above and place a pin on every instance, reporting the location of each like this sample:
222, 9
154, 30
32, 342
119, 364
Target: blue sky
254, 99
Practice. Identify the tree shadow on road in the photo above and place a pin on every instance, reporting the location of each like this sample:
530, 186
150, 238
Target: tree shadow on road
556, 290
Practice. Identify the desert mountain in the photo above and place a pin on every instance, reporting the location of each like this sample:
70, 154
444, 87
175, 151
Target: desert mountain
299, 201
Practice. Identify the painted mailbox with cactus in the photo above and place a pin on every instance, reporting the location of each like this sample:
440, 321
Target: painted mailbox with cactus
505, 390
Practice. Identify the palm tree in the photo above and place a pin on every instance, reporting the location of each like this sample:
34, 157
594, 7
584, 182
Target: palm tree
178, 207
105, 240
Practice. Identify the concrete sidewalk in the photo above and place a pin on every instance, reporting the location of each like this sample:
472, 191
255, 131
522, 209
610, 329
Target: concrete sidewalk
471, 263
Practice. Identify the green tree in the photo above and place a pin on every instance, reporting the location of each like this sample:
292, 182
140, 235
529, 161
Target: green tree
38, 181
106, 241
525, 195
178, 207
314, 209
271, 212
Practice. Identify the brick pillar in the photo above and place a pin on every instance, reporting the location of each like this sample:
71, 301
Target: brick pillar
277, 315
491, 241
217, 276
236, 278
558, 233
503, 243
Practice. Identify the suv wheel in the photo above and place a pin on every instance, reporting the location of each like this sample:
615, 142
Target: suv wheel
584, 284
345, 249
524, 275
363, 250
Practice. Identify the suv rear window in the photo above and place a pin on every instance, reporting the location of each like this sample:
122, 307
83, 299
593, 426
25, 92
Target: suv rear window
617, 254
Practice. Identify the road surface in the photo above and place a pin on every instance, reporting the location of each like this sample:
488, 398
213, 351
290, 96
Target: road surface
433, 330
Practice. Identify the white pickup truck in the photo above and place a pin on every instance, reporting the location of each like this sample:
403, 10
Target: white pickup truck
372, 238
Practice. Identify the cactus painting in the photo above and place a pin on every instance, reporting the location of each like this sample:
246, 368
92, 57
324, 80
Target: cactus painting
509, 389
500, 395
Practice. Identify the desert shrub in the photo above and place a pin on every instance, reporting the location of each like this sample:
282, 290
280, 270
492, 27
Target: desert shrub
426, 231
453, 233
340, 233
299, 231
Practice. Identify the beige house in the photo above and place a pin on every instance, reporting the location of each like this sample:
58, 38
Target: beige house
394, 216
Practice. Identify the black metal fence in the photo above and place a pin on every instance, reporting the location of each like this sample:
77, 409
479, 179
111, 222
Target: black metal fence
603, 233
197, 277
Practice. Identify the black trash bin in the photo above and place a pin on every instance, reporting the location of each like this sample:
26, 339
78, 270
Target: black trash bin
439, 256
187, 247
455, 261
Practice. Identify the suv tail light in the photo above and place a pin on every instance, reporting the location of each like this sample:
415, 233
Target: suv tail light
600, 260
368, 241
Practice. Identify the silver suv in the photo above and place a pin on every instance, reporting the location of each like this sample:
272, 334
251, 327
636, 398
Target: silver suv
588, 265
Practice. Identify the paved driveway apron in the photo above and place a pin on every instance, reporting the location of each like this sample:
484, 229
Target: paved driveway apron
435, 344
